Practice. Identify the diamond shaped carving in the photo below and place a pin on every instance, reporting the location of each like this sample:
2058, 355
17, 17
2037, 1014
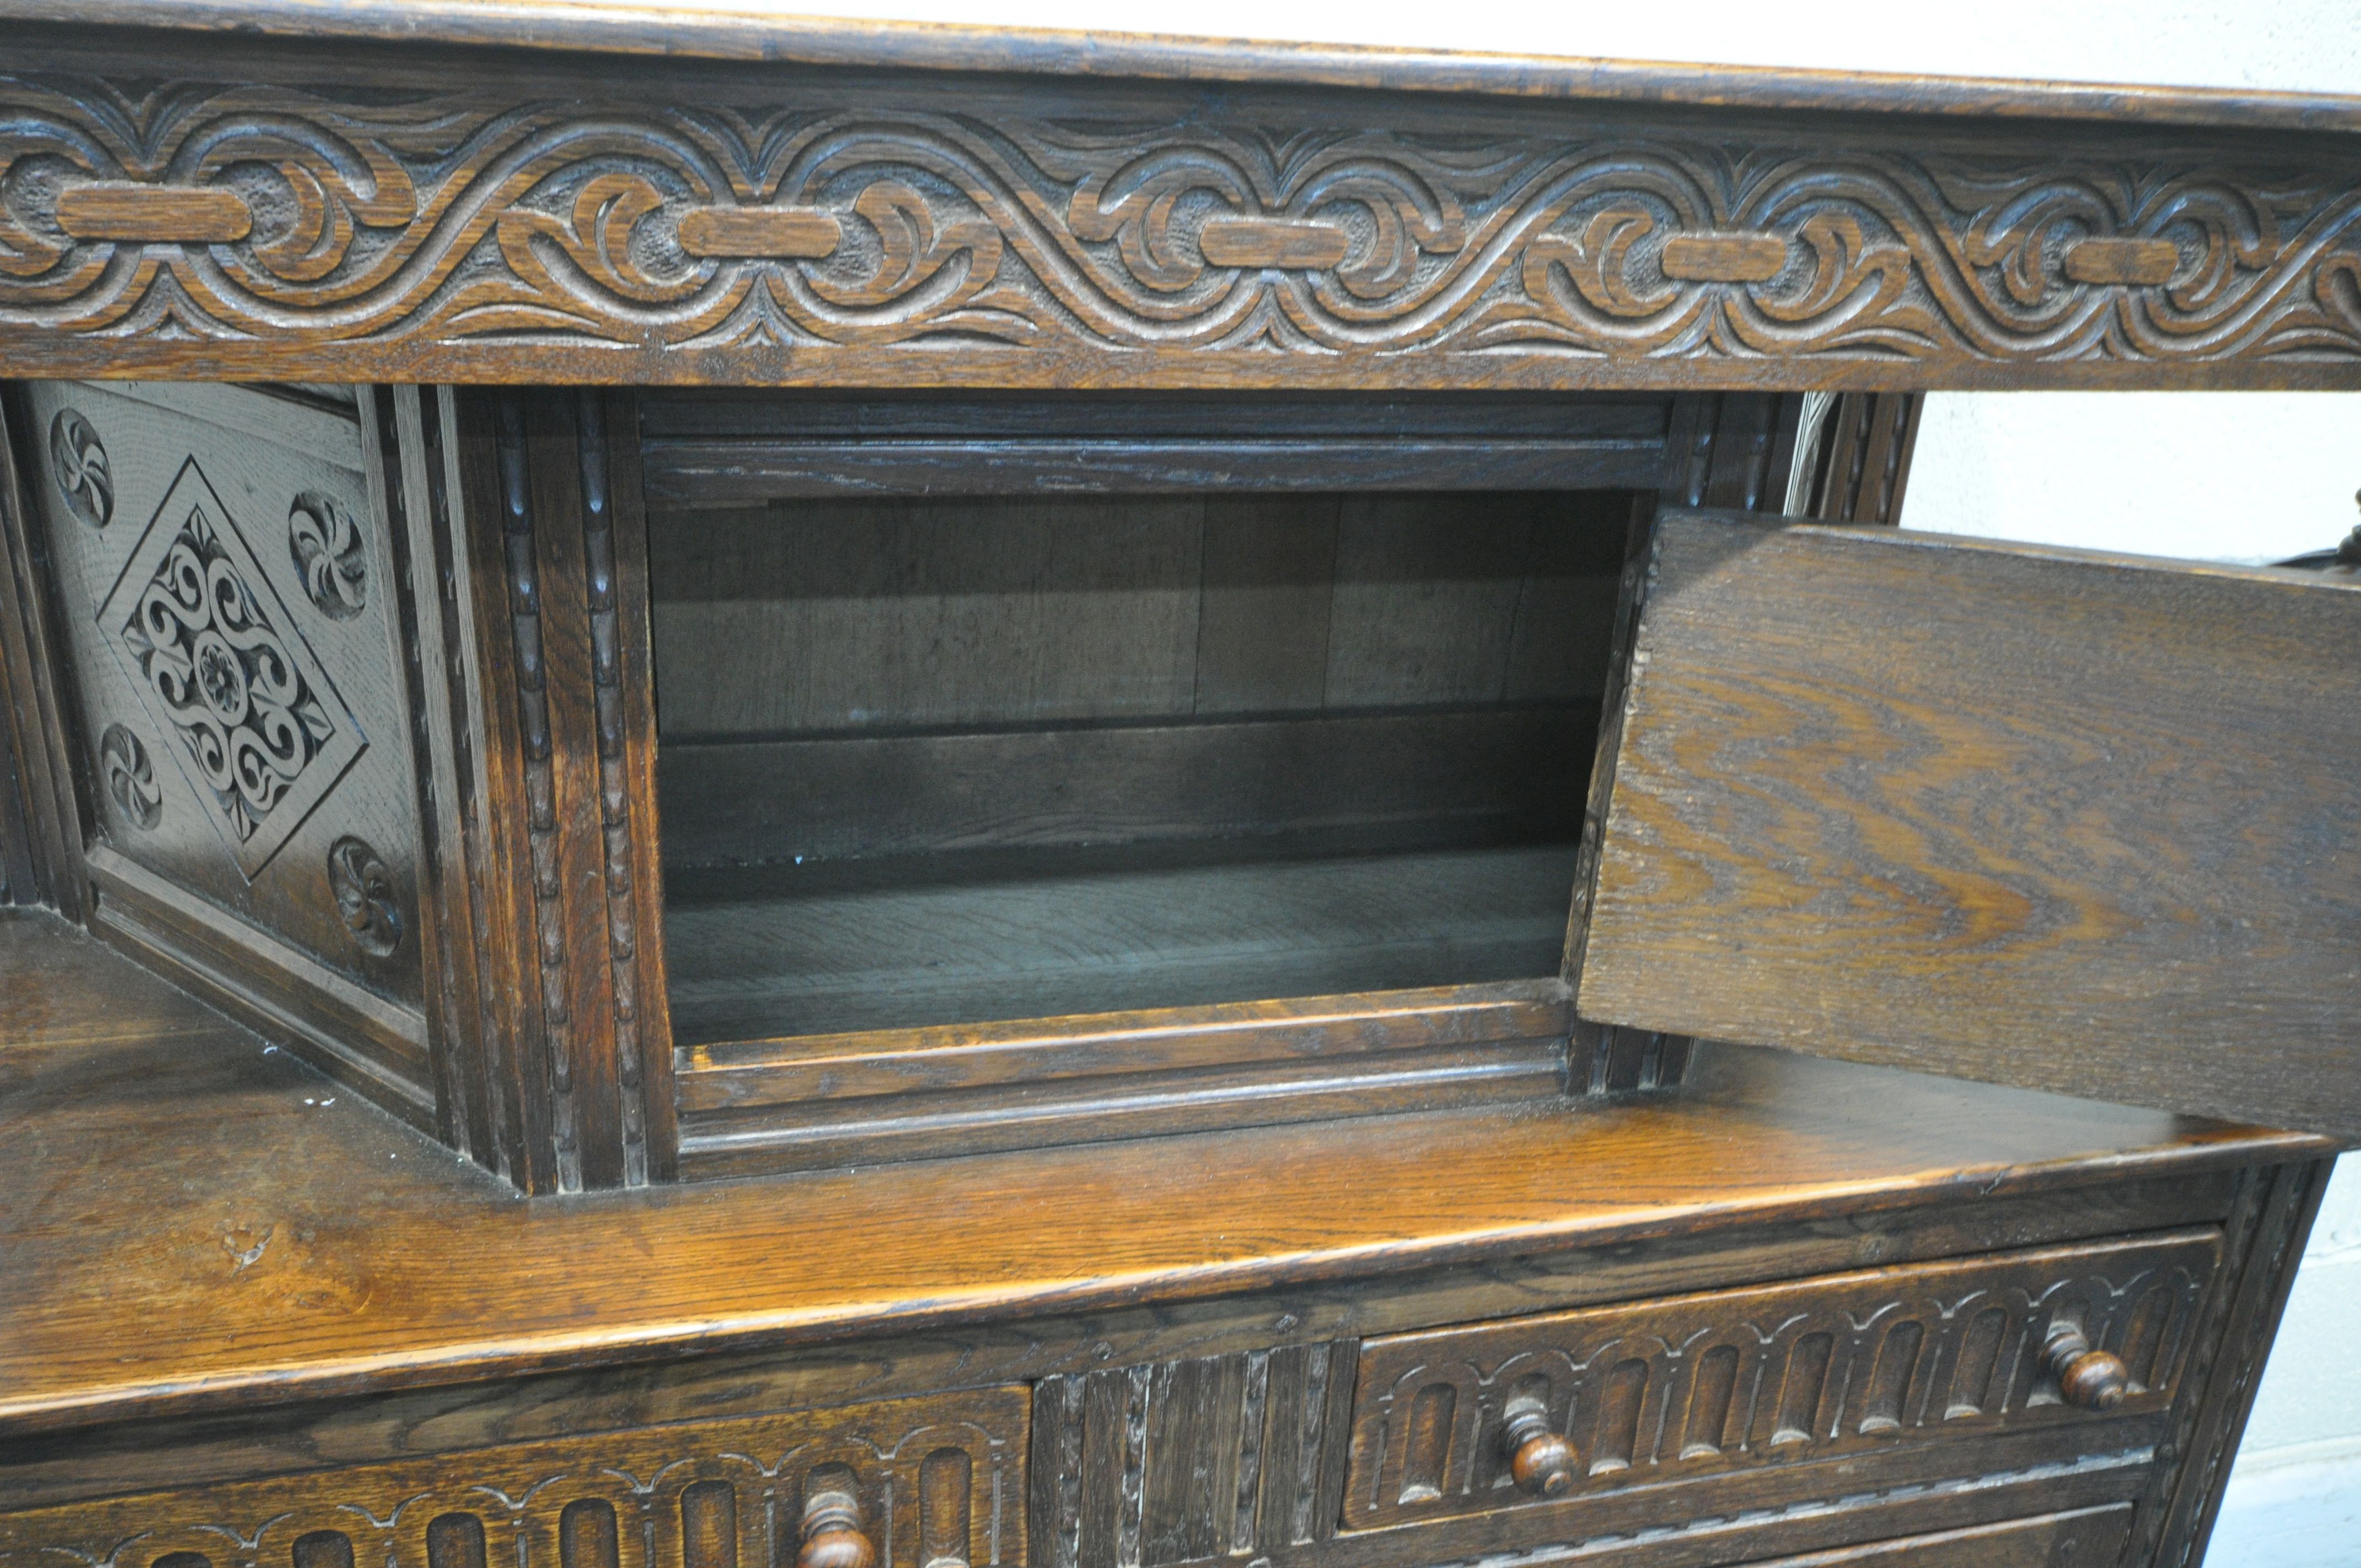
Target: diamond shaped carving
263, 735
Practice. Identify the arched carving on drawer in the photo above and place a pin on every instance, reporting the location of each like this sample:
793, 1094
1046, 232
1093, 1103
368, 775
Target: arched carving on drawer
937, 1480
1701, 1385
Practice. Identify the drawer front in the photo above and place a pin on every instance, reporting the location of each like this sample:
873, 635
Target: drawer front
938, 1482
1696, 1387
2086, 1537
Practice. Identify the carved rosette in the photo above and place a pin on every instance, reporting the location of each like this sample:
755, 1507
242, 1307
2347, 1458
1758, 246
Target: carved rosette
130, 776
78, 466
278, 216
365, 896
326, 541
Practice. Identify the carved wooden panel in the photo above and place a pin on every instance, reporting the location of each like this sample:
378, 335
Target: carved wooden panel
1227, 1456
224, 583
938, 1484
916, 230
1735, 1380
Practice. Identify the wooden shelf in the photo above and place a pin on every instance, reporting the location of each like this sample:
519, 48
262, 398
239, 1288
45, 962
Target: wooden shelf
924, 940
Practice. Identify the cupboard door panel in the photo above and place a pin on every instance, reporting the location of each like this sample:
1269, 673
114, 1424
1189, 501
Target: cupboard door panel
2051, 819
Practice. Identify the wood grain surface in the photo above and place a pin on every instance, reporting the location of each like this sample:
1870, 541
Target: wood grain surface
2058, 819
2084, 1535
288, 1244
810, 955
744, 32
42, 842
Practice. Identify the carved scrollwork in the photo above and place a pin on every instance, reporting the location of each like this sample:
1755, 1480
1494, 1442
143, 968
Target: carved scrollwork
262, 731
468, 220
225, 676
130, 776
365, 896
329, 551
78, 466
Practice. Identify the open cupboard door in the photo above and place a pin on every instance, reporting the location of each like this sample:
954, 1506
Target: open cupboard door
2070, 821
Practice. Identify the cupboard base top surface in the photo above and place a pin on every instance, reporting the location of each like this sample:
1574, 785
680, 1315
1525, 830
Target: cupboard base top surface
292, 1243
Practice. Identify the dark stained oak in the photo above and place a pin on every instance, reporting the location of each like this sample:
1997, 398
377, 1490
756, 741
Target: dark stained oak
700, 1489
284, 1247
566, 217
1688, 1390
2084, 1535
2070, 821
2082, 824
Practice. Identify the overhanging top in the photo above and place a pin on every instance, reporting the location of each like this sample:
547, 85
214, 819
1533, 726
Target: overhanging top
750, 33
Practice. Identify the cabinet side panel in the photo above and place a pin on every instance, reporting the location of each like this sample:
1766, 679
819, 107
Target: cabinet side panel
2270, 1223
43, 849
219, 560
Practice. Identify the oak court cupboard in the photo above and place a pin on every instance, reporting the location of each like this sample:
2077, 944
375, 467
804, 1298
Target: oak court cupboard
856, 794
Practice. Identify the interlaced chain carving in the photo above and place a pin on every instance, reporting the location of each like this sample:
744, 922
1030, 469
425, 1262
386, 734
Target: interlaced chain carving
468, 220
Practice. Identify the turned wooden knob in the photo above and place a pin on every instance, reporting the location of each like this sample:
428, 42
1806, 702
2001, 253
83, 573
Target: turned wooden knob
2088, 1379
832, 1536
1540, 1460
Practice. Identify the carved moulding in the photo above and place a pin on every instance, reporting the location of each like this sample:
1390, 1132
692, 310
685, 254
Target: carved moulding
469, 234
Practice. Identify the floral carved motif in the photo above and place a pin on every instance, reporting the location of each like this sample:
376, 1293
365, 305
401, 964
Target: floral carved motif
78, 464
365, 901
262, 732
324, 539
464, 221
130, 776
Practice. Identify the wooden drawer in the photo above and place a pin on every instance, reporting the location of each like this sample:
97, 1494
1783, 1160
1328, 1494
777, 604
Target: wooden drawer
937, 1481
1720, 1387
2085, 1536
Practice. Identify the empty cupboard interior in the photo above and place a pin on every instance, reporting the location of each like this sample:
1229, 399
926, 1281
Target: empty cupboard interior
948, 758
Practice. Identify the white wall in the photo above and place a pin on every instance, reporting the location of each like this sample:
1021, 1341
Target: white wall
2253, 476
2239, 477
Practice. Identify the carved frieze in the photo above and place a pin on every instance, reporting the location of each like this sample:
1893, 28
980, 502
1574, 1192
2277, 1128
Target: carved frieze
333, 228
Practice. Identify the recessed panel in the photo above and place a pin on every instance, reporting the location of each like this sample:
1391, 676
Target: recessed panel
227, 595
